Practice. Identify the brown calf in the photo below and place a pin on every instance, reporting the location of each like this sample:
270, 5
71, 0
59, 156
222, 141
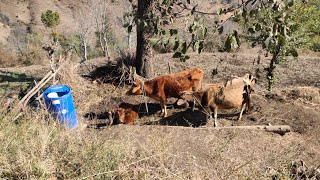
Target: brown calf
233, 94
125, 114
166, 86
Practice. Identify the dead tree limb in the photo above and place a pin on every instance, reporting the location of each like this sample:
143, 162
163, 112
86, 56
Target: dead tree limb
279, 129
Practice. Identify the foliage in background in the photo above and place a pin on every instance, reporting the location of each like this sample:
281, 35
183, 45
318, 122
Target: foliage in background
271, 24
50, 19
26, 45
305, 16
32, 53
99, 12
193, 34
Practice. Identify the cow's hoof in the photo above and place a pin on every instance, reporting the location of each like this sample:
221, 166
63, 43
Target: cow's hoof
163, 115
215, 124
181, 103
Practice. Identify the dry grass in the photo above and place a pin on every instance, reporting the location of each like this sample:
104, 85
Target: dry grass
7, 58
35, 147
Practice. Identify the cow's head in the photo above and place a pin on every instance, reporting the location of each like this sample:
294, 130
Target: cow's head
249, 80
125, 116
137, 85
116, 116
136, 88
119, 115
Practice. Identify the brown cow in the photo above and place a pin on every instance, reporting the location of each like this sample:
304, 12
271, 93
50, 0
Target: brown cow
125, 114
233, 94
166, 86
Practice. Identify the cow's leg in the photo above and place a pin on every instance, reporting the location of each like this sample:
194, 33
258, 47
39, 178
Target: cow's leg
215, 116
194, 104
163, 109
243, 107
207, 113
110, 118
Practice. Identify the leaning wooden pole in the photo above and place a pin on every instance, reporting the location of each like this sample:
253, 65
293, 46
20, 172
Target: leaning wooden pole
39, 86
279, 129
48, 75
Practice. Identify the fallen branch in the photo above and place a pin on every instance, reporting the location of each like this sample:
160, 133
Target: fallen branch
279, 129
39, 86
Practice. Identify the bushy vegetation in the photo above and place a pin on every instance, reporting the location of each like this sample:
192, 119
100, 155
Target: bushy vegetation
36, 147
50, 19
7, 58
305, 16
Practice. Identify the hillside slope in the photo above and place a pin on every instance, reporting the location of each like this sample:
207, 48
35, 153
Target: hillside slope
28, 14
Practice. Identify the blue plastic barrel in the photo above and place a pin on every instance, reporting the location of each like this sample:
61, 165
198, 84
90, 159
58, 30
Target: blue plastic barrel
59, 103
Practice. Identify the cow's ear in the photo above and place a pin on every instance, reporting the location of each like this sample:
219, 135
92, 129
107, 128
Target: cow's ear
134, 75
134, 82
254, 80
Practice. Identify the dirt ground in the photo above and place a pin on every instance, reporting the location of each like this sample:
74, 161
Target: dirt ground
187, 142
294, 101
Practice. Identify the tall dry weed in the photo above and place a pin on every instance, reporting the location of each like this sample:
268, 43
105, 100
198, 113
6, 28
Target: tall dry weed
35, 146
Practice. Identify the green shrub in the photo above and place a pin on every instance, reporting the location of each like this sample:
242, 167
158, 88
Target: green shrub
306, 15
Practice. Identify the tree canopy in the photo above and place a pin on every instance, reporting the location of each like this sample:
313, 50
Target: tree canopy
50, 19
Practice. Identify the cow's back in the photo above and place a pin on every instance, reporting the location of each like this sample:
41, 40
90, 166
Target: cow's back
172, 85
187, 80
228, 95
228, 98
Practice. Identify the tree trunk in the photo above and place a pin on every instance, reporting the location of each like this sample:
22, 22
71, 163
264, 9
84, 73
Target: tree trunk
144, 55
129, 41
106, 49
271, 68
101, 44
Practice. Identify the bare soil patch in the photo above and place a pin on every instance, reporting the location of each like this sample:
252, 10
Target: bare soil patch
293, 101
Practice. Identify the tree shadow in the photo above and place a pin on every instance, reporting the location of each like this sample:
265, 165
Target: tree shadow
116, 72
15, 77
187, 118
101, 119
97, 120
15, 83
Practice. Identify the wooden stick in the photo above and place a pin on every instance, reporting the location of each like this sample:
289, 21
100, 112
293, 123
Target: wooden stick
34, 88
39, 86
279, 129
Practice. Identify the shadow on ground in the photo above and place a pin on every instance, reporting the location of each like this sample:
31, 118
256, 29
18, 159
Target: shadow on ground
179, 117
187, 118
15, 77
15, 83
113, 72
